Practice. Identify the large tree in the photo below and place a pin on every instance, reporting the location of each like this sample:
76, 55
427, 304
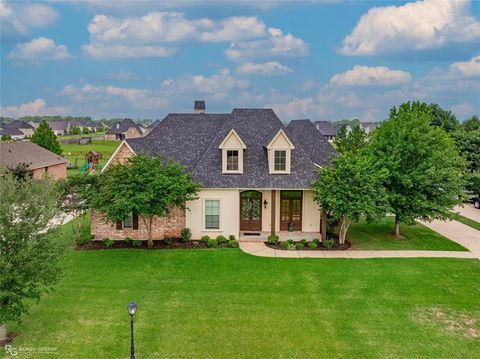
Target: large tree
350, 142
351, 188
440, 117
147, 186
29, 258
425, 169
44, 137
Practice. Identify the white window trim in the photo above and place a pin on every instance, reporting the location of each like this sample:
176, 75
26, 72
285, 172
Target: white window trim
123, 222
204, 229
224, 161
288, 161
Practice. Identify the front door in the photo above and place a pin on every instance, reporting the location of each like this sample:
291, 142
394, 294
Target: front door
251, 211
291, 210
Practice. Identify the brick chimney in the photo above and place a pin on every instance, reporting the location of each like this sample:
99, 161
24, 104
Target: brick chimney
199, 106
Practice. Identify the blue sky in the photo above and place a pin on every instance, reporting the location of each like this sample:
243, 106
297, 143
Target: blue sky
323, 60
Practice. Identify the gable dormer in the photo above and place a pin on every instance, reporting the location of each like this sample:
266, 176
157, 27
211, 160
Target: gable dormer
280, 154
232, 153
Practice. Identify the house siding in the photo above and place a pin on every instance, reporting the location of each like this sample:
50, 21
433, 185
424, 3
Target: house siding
161, 227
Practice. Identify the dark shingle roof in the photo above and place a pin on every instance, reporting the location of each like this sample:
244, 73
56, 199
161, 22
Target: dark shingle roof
14, 153
58, 125
21, 124
325, 127
194, 139
10, 130
123, 127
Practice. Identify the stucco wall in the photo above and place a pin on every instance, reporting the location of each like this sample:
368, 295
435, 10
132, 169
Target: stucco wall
311, 213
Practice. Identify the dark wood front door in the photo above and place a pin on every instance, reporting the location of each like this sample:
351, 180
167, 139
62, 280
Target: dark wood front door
251, 211
291, 210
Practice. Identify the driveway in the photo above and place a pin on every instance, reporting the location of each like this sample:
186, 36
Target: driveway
468, 211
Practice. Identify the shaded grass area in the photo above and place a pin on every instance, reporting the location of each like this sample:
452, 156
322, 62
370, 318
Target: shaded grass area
375, 236
227, 304
469, 222
77, 152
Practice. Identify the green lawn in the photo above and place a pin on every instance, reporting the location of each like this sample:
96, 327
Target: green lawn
93, 134
379, 235
223, 303
73, 151
467, 221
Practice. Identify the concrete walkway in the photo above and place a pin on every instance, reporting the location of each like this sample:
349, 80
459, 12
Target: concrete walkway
468, 211
458, 232
261, 250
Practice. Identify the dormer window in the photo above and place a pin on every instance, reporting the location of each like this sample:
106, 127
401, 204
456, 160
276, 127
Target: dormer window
280, 154
232, 153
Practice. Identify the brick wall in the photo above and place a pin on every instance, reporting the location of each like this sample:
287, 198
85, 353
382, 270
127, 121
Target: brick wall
56, 171
161, 227
121, 156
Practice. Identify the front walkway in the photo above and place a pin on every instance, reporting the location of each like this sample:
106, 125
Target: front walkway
261, 250
468, 211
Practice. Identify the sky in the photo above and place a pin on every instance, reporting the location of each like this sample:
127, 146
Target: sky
322, 60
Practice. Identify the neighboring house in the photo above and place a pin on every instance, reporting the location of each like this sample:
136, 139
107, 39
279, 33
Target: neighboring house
326, 129
59, 128
17, 129
40, 160
369, 127
255, 173
125, 129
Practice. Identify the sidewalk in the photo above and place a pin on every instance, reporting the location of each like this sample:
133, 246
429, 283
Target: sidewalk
468, 211
261, 250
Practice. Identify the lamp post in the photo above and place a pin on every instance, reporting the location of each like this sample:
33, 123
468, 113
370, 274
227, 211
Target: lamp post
132, 307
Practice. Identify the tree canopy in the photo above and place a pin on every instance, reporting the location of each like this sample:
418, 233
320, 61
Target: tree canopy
147, 186
425, 170
350, 142
44, 137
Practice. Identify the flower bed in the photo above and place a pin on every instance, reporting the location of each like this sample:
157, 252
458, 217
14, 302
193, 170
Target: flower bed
157, 244
297, 246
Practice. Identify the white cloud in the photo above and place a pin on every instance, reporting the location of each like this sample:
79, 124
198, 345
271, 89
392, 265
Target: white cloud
235, 29
275, 44
101, 51
417, 25
121, 75
270, 68
40, 48
220, 83
467, 68
370, 76
37, 107
20, 18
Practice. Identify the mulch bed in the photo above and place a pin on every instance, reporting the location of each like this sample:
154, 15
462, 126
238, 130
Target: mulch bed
119, 244
336, 247
8, 339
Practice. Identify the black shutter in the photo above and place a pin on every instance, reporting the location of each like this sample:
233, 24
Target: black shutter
135, 220
119, 225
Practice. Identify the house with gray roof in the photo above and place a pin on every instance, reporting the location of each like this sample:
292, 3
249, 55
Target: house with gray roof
17, 130
125, 129
255, 174
326, 128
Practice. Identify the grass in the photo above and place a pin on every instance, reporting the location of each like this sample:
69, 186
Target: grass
225, 303
375, 236
92, 134
76, 151
469, 222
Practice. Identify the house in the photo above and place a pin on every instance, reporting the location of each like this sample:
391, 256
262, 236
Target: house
17, 129
369, 127
59, 128
40, 160
125, 129
255, 173
326, 129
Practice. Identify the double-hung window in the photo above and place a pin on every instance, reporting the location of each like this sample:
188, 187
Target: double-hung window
280, 160
232, 160
128, 222
212, 214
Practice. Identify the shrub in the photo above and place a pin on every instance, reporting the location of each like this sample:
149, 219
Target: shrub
312, 245
328, 243
299, 245
291, 241
303, 241
232, 238
291, 247
221, 239
137, 243
284, 245
127, 240
168, 240
108, 242
232, 243
79, 240
205, 239
212, 243
316, 241
273, 239
186, 235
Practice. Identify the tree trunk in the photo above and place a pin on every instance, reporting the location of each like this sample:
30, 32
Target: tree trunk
3, 332
344, 224
397, 228
150, 240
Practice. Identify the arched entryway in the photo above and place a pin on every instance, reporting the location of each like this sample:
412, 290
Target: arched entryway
250, 211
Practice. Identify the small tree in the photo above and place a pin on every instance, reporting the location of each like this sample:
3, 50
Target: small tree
21, 171
44, 137
85, 131
351, 188
6, 138
147, 186
28, 256
350, 142
75, 130
426, 172
471, 124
